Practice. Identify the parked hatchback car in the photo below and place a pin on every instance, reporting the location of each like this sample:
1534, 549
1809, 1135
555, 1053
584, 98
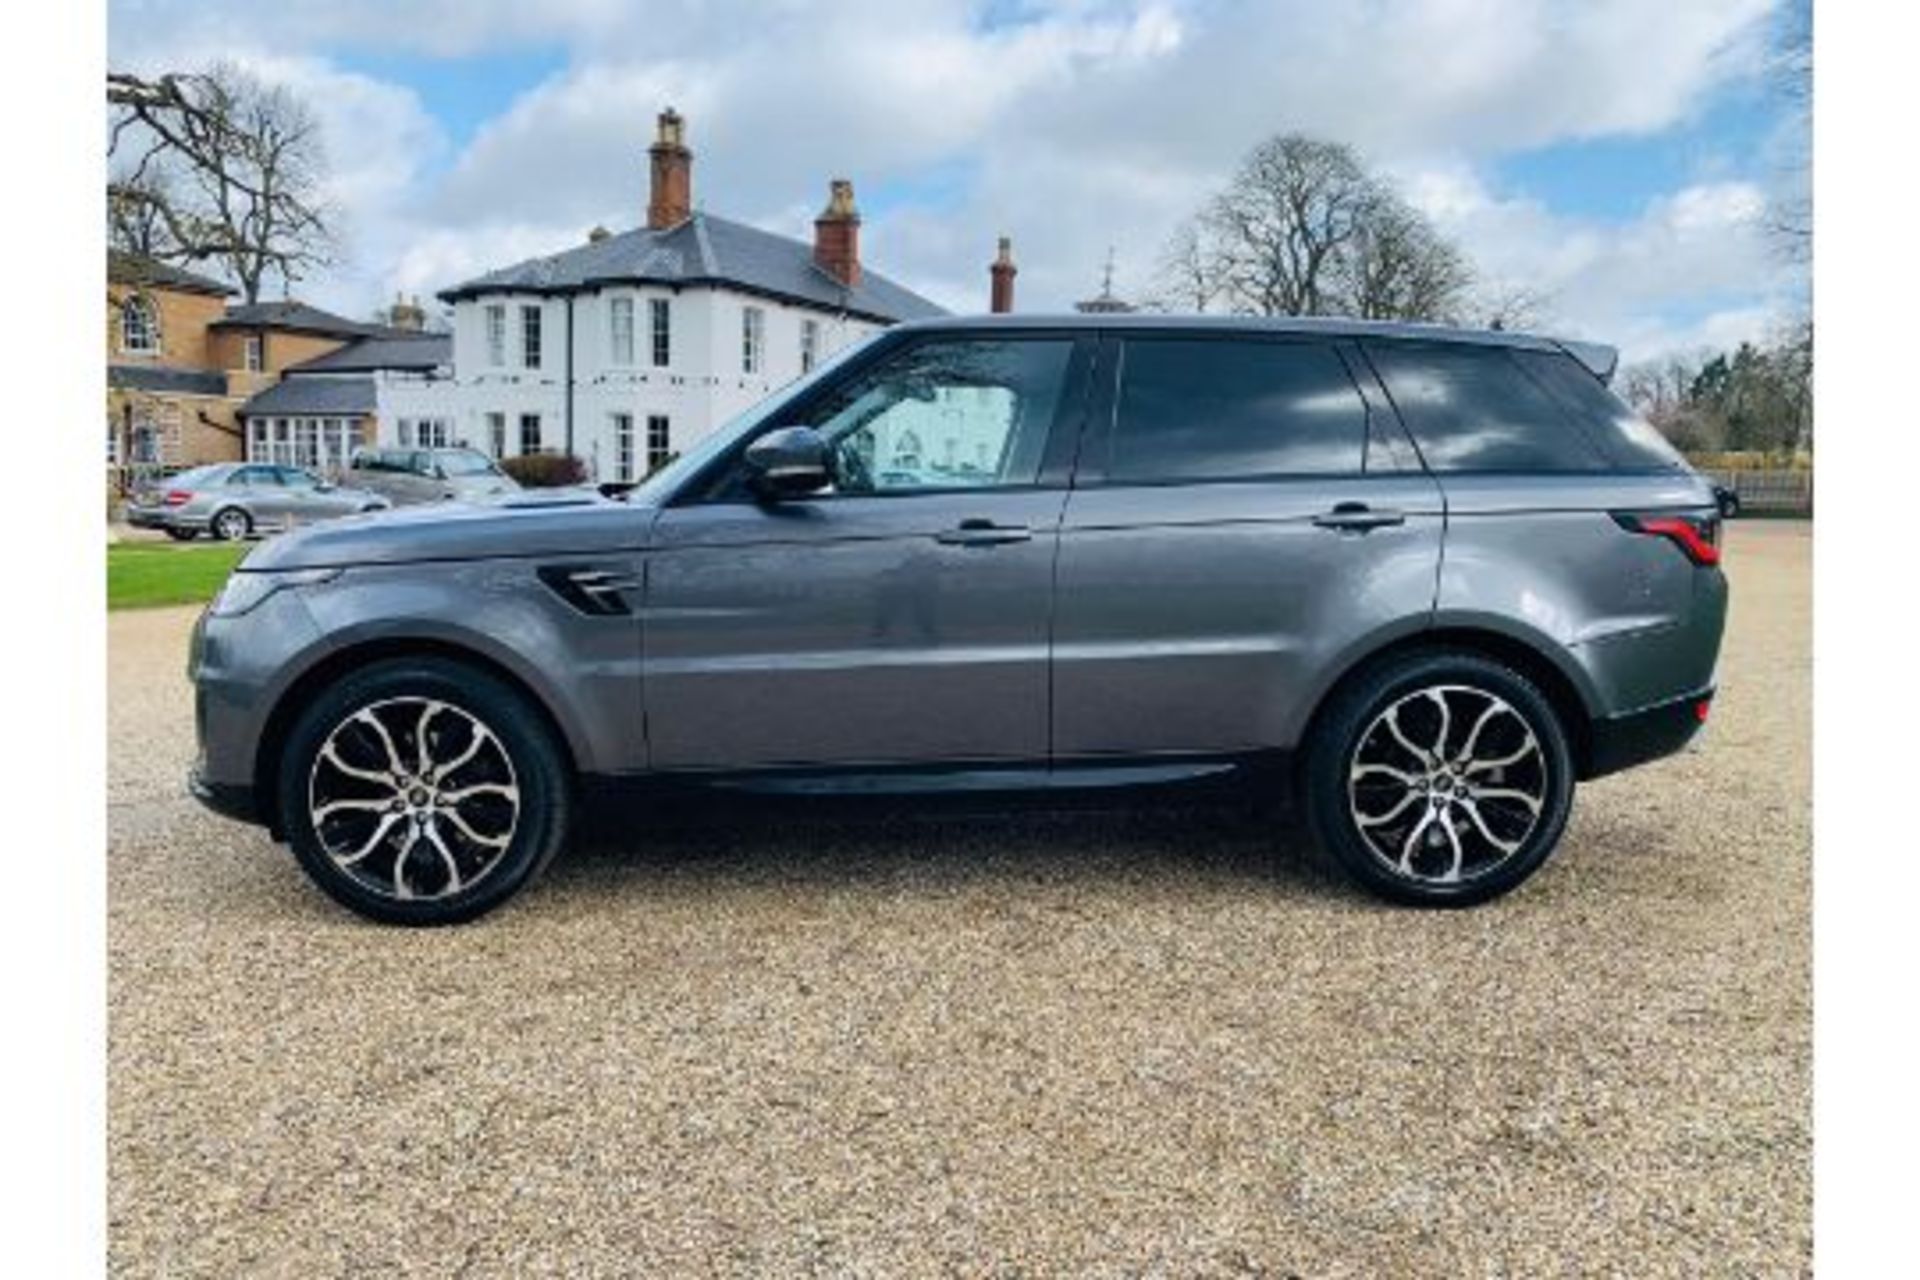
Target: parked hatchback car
410, 476
1423, 580
234, 500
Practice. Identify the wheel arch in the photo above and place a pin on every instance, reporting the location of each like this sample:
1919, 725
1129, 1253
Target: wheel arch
1564, 689
337, 663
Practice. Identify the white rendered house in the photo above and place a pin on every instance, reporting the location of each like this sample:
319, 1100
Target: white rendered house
629, 347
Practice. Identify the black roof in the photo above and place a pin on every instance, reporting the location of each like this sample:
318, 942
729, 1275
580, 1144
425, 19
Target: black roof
1596, 356
164, 378
315, 396
138, 269
420, 351
302, 318
705, 250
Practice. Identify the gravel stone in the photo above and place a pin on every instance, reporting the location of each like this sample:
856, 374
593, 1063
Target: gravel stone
1026, 1046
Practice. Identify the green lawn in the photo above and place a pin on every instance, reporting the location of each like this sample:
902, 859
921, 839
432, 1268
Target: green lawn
141, 574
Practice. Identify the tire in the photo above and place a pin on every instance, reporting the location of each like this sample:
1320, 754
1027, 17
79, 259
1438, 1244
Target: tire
1454, 835
183, 535
415, 864
230, 524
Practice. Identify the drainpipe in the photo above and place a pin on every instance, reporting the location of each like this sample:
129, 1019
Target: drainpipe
569, 412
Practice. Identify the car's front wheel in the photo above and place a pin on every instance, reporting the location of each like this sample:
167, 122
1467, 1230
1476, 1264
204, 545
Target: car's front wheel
1439, 779
422, 791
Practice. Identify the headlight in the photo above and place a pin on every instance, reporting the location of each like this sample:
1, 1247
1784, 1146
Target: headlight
246, 591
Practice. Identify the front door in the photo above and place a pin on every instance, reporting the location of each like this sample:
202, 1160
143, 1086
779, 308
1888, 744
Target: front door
900, 617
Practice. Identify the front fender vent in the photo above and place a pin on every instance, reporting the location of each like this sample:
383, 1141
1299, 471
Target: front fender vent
596, 590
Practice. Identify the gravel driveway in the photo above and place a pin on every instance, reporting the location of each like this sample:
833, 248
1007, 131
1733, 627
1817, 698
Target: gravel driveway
1033, 1046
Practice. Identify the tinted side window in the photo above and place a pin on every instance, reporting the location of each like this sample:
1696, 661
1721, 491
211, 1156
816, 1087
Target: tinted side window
1475, 409
1210, 409
1624, 436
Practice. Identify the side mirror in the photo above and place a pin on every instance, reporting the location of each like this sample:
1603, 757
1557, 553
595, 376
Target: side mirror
788, 462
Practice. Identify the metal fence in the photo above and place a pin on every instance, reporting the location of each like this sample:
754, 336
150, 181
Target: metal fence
1770, 492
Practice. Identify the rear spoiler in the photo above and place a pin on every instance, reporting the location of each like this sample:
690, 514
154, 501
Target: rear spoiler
1600, 359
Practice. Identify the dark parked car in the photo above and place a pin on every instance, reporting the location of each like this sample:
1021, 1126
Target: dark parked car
1426, 580
410, 476
233, 500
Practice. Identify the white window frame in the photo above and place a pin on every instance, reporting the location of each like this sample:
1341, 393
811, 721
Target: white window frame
254, 352
753, 338
532, 333
497, 434
660, 332
659, 441
146, 326
539, 443
495, 319
623, 446
809, 343
620, 330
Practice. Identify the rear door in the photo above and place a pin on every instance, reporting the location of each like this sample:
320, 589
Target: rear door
900, 618
267, 500
1247, 514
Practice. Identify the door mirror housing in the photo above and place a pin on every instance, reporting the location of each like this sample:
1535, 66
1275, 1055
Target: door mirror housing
788, 462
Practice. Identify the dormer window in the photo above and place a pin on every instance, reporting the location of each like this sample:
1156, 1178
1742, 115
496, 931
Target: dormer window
139, 326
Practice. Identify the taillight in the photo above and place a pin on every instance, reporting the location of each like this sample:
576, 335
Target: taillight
177, 498
1697, 536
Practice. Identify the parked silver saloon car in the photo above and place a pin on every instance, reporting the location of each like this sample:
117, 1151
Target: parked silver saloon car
410, 476
232, 500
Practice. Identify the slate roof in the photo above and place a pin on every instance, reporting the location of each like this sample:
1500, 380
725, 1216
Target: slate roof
162, 378
419, 352
302, 318
134, 268
705, 250
321, 396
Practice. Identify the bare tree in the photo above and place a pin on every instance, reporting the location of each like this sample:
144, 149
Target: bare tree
1187, 279
1304, 229
232, 169
1276, 229
1789, 215
1505, 304
1397, 267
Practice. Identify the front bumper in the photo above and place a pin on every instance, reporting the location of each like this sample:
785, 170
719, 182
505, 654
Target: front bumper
1620, 742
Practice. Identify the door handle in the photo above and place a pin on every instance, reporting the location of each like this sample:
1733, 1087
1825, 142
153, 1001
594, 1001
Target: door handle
1357, 517
982, 533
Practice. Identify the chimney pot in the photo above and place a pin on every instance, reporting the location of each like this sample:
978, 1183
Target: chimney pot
670, 199
1000, 296
836, 235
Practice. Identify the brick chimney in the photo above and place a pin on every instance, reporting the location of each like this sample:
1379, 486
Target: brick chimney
1002, 271
836, 235
406, 313
670, 201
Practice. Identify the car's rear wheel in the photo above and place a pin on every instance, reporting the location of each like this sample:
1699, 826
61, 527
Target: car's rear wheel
183, 535
422, 792
1439, 779
230, 524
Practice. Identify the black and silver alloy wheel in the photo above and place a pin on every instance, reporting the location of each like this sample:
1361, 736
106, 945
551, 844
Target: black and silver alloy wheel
1438, 778
1446, 783
422, 791
413, 798
231, 524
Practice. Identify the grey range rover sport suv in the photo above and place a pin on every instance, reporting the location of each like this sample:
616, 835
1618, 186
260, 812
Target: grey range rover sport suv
1421, 581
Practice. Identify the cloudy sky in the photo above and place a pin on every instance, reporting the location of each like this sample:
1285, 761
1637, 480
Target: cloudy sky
1613, 156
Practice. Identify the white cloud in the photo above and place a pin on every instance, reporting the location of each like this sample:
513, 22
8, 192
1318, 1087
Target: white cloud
1084, 124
